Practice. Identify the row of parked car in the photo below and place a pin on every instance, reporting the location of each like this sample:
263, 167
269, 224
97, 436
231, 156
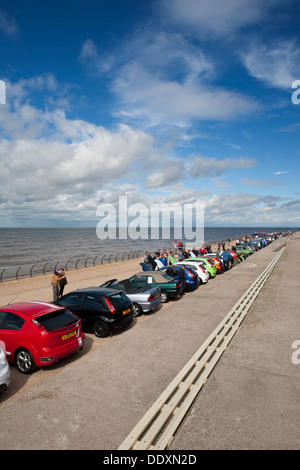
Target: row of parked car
36, 334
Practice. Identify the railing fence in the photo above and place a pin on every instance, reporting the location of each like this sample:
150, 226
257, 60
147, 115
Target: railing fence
10, 273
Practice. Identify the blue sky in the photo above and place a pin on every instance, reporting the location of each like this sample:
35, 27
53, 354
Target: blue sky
165, 101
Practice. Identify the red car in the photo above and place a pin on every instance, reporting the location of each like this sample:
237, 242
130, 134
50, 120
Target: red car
38, 334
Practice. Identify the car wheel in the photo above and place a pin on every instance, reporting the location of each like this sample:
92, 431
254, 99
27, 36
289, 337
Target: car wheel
187, 287
165, 297
25, 361
101, 329
137, 310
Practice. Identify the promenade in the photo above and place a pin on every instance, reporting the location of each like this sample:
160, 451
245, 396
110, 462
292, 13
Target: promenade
94, 399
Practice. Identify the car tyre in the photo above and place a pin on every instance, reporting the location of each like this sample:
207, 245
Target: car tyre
25, 361
187, 287
164, 297
101, 329
137, 309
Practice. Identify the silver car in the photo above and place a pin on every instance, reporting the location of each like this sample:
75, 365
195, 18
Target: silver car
4, 370
143, 298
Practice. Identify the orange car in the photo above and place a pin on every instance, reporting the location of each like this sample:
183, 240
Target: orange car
218, 263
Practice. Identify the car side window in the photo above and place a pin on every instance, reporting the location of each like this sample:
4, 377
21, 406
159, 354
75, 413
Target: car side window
12, 322
73, 300
150, 279
2, 318
141, 279
92, 303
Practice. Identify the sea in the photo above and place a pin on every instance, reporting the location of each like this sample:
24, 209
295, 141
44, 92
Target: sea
28, 246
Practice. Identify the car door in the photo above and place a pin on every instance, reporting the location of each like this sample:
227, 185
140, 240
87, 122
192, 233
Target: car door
92, 308
10, 331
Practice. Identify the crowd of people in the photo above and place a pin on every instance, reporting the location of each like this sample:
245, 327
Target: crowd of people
180, 253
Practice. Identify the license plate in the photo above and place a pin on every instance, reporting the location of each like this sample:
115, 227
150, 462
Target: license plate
157, 295
68, 335
126, 311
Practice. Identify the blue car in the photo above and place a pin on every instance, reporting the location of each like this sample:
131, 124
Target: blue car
191, 277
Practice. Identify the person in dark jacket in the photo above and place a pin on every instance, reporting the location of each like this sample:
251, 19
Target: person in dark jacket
62, 281
181, 273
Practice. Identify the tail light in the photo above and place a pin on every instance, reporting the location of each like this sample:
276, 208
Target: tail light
201, 267
110, 305
177, 285
190, 272
36, 323
151, 297
209, 262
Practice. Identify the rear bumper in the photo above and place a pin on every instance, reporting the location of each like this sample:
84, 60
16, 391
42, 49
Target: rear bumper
152, 305
121, 323
49, 356
176, 293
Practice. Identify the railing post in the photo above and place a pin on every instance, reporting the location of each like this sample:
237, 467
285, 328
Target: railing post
44, 268
2, 274
67, 264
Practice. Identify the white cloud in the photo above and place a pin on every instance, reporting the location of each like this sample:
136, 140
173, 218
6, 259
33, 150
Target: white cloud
8, 25
95, 63
207, 167
162, 80
216, 18
276, 65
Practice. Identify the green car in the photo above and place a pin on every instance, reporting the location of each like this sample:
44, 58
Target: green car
169, 286
207, 264
243, 249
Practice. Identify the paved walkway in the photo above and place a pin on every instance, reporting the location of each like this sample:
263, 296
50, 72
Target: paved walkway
252, 398
97, 400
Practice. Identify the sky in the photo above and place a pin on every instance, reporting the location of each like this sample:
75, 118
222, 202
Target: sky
162, 101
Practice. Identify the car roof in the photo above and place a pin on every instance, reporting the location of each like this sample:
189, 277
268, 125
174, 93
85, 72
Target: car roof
96, 291
156, 274
32, 308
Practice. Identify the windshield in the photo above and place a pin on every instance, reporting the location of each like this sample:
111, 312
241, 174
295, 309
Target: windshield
119, 300
57, 320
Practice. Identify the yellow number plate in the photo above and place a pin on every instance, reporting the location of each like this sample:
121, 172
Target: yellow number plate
68, 335
157, 295
126, 311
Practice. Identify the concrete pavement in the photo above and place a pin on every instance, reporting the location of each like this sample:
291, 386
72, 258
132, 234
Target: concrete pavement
252, 399
96, 400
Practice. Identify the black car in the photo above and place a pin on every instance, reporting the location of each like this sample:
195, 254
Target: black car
101, 310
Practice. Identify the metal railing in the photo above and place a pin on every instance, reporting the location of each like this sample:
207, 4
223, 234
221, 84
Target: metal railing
9, 273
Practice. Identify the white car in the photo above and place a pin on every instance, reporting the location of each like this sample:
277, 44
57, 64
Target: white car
198, 267
4, 370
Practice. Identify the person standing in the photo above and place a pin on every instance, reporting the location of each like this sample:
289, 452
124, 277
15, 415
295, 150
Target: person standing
55, 284
62, 281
